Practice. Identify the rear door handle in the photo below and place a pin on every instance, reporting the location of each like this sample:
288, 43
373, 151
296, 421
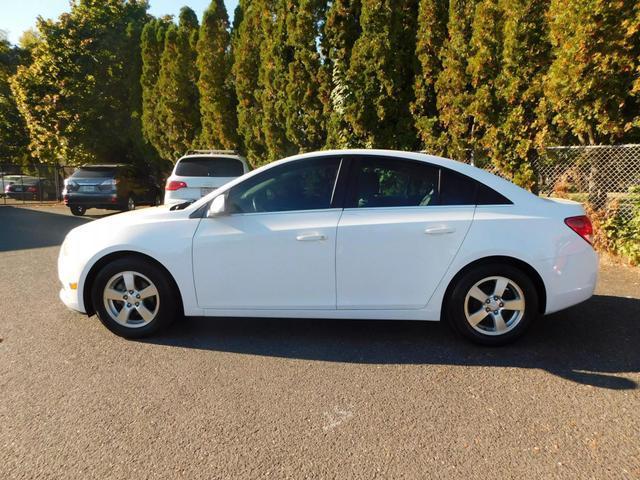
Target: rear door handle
311, 237
441, 230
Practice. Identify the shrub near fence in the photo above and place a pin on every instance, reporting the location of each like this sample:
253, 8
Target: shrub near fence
607, 180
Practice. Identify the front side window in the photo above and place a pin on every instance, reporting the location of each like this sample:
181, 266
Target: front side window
299, 185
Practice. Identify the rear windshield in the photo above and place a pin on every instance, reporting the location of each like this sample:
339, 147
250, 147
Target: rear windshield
94, 172
209, 167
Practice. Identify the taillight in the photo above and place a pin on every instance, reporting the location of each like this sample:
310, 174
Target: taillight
110, 182
32, 189
582, 226
175, 185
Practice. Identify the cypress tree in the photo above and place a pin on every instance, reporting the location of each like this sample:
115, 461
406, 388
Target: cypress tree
247, 48
152, 45
381, 75
274, 60
341, 30
431, 34
589, 85
217, 96
305, 121
484, 64
178, 112
453, 86
525, 60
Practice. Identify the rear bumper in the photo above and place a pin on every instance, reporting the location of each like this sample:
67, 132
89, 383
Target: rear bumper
570, 279
90, 200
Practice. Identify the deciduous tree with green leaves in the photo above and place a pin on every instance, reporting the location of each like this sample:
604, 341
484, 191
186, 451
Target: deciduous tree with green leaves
217, 95
77, 96
14, 138
590, 83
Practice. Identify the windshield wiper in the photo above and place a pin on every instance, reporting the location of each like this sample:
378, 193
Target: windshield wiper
181, 206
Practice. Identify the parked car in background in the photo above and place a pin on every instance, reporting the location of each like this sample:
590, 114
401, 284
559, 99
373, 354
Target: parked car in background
353, 234
199, 172
10, 179
31, 188
111, 187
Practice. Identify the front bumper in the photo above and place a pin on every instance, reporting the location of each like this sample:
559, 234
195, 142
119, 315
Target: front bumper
70, 299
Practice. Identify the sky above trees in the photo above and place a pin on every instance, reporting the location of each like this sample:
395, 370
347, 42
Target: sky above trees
20, 16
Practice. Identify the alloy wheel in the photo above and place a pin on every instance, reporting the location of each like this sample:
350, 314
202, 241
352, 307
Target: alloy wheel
494, 306
131, 299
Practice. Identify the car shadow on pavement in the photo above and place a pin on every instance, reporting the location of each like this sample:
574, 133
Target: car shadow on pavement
594, 343
23, 228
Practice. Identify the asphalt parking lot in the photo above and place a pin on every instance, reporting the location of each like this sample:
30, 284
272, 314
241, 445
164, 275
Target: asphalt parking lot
255, 398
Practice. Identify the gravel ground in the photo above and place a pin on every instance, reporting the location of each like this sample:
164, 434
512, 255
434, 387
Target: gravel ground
252, 398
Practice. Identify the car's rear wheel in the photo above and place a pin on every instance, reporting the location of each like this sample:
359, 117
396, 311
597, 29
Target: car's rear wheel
134, 298
492, 304
78, 210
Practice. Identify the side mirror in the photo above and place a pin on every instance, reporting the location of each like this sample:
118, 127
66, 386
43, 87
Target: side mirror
218, 207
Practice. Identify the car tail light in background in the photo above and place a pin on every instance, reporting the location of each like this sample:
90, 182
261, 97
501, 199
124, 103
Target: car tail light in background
582, 226
32, 189
175, 185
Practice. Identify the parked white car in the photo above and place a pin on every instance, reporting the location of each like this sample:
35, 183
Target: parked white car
200, 172
353, 234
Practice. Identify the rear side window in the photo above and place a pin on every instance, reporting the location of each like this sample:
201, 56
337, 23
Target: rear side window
209, 167
94, 172
395, 182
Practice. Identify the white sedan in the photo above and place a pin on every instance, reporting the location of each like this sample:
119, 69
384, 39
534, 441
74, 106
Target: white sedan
352, 234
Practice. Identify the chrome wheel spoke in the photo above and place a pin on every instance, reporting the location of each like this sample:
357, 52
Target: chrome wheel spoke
501, 286
129, 282
145, 313
113, 294
123, 315
499, 323
478, 294
516, 305
477, 317
150, 291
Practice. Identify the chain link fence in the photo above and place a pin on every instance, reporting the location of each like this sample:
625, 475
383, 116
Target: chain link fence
32, 184
605, 177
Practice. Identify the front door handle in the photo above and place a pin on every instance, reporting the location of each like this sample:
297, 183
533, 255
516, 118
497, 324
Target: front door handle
441, 230
310, 237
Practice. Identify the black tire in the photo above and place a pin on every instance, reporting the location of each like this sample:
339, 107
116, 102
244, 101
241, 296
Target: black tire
167, 308
157, 200
78, 210
456, 305
130, 205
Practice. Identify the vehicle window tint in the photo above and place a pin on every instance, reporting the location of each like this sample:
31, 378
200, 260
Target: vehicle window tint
456, 189
386, 182
93, 172
209, 167
488, 196
300, 185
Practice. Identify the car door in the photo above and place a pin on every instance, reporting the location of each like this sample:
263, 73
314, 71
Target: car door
399, 232
276, 247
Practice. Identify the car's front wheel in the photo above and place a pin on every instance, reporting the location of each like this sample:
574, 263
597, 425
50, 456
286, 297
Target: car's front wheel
492, 304
133, 297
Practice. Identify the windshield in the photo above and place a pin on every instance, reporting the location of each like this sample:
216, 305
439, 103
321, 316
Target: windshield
209, 167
